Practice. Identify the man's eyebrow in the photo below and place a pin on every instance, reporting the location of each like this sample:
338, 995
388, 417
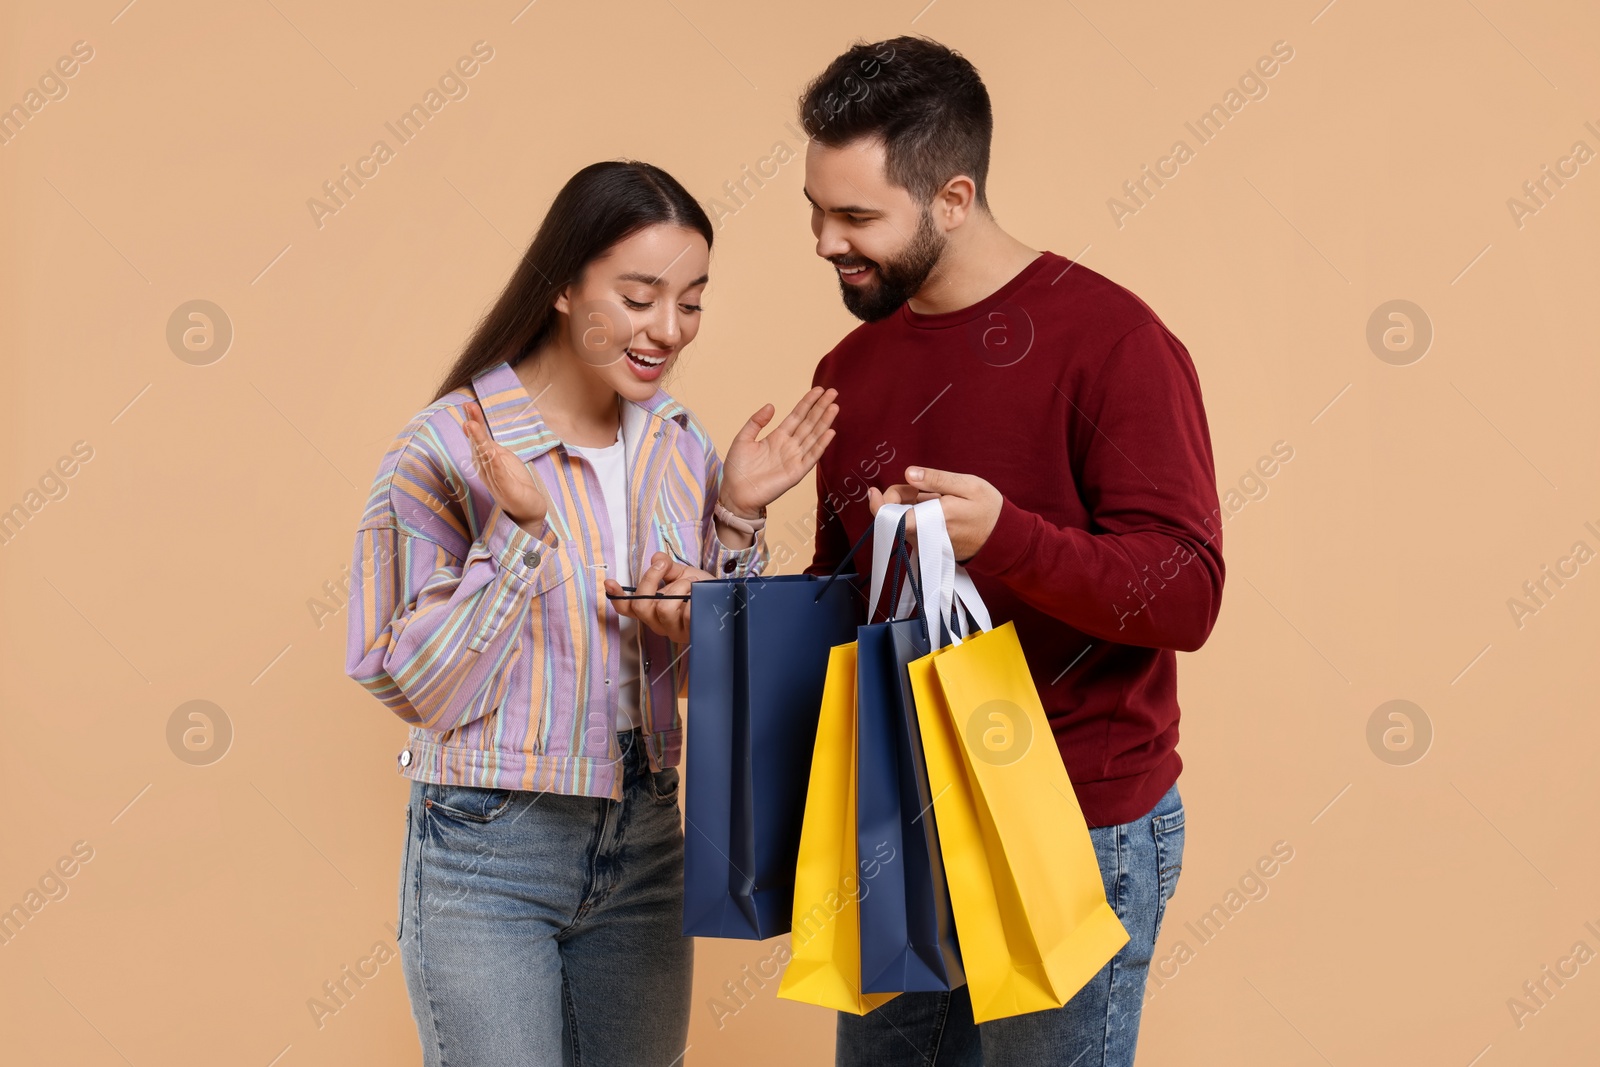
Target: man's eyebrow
655, 279
847, 209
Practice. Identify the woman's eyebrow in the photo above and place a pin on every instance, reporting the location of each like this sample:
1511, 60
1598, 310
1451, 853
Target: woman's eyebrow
655, 279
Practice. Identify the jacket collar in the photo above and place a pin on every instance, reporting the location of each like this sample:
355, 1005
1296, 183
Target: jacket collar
515, 422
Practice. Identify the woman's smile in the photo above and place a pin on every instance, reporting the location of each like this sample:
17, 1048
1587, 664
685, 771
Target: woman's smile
647, 364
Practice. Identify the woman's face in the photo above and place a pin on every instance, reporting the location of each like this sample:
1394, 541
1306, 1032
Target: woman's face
637, 306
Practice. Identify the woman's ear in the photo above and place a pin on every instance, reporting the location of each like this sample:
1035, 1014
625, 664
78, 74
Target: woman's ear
562, 304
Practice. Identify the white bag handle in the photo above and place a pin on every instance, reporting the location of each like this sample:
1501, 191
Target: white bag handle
944, 582
884, 525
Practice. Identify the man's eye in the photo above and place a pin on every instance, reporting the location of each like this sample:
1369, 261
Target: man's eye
635, 305
856, 219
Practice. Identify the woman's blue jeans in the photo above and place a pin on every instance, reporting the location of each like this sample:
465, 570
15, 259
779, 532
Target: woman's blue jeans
1099, 1027
545, 929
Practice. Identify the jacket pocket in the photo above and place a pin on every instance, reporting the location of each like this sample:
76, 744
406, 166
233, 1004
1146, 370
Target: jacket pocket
551, 569
680, 540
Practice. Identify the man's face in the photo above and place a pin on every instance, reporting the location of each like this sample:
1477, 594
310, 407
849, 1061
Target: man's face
882, 243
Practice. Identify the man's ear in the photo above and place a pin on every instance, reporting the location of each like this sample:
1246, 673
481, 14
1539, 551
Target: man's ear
954, 203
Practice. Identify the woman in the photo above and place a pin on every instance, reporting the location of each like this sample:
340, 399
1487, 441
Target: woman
541, 891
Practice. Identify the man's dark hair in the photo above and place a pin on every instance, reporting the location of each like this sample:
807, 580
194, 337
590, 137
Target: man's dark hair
923, 100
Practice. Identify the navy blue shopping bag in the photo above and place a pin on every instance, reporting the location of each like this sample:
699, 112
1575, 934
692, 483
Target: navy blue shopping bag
758, 655
908, 936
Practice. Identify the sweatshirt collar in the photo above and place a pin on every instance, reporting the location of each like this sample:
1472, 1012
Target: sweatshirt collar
962, 316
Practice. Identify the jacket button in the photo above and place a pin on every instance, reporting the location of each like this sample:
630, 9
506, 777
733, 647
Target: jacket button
531, 558
405, 758
728, 565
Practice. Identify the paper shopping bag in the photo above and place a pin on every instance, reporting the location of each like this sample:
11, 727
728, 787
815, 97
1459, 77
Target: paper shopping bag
825, 945
908, 932
758, 657
1026, 889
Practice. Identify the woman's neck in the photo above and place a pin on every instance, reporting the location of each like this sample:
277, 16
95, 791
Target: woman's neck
581, 409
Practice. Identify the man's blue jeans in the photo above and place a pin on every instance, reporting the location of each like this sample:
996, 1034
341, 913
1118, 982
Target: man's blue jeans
541, 929
1099, 1027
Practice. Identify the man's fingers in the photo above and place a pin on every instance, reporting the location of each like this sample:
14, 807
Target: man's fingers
901, 493
937, 481
895, 494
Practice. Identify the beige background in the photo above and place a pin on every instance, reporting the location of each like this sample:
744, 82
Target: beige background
183, 560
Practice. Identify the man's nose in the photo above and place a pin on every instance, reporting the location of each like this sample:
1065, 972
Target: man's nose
831, 242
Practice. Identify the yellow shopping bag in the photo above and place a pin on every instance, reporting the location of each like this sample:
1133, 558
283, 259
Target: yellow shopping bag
1030, 906
825, 946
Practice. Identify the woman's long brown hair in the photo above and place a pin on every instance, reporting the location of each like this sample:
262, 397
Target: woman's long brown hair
600, 205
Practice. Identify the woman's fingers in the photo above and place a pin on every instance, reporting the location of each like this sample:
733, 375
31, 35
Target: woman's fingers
670, 578
823, 410
802, 408
816, 408
650, 581
809, 407
624, 607
819, 429
818, 447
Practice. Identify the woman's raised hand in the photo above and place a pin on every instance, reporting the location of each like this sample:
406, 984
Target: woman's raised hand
755, 473
510, 480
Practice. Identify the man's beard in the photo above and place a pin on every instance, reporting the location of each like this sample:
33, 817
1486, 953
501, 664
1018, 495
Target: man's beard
898, 279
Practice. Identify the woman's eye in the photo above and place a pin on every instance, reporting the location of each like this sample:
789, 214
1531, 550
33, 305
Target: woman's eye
635, 305
692, 308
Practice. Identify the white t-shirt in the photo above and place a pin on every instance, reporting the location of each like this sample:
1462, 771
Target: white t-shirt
611, 463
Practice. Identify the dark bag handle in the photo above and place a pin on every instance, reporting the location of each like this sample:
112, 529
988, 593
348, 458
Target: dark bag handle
902, 566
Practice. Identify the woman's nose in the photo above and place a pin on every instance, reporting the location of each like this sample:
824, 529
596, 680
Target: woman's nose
665, 330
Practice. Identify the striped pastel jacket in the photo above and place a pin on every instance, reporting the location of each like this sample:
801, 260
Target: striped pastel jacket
498, 645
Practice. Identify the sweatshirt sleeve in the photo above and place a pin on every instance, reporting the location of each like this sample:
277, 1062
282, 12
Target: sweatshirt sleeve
1149, 572
433, 631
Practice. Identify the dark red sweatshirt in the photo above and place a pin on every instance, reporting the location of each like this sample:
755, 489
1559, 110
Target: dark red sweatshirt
1069, 395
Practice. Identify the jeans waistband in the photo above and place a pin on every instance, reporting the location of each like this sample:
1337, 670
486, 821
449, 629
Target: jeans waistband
630, 746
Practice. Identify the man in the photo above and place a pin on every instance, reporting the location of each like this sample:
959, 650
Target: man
1060, 425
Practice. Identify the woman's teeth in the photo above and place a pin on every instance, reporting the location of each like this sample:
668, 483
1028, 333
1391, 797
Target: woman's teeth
647, 361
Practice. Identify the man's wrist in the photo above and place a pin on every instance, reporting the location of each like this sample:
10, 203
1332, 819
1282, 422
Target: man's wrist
1007, 541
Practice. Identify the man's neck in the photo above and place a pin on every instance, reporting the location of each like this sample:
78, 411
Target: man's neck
980, 258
